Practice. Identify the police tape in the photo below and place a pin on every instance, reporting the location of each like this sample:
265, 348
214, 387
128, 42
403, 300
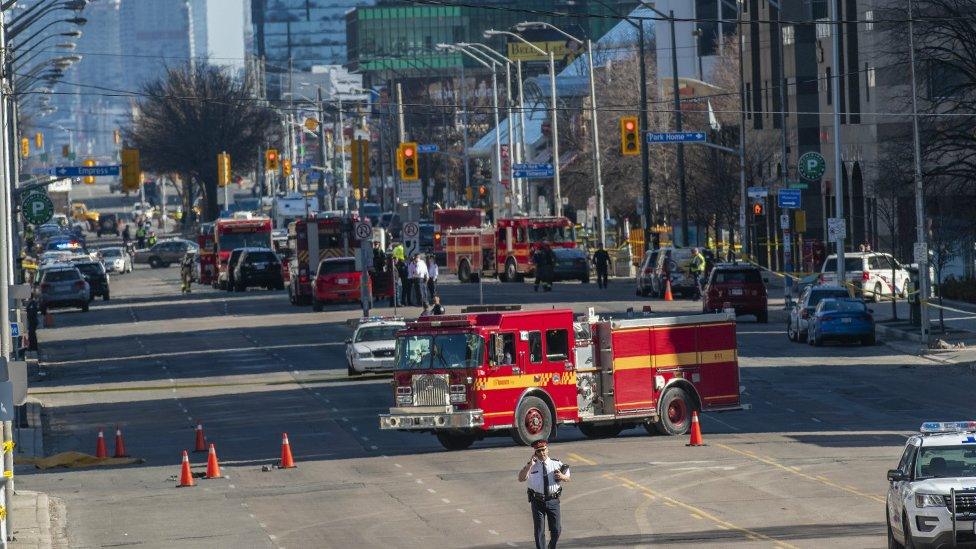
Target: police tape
8, 446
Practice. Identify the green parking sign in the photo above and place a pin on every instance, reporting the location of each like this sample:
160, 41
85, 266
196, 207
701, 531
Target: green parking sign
37, 208
812, 166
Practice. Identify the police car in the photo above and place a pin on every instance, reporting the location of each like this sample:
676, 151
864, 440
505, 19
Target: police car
372, 347
932, 494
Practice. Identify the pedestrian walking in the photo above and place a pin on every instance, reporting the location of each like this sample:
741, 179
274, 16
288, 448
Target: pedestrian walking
602, 261
437, 308
151, 241
697, 269
545, 262
432, 273
126, 235
398, 252
186, 273
544, 476
420, 281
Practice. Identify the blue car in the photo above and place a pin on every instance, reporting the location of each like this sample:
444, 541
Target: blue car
841, 319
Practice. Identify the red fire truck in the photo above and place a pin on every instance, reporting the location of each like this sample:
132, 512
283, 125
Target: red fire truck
241, 231
448, 219
206, 258
504, 250
469, 376
317, 237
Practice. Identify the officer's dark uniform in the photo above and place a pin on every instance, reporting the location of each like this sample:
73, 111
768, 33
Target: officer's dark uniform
602, 261
545, 262
543, 493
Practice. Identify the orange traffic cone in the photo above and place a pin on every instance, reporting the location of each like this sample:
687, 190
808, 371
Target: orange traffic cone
696, 437
100, 451
186, 476
286, 460
119, 444
213, 467
201, 441
667, 290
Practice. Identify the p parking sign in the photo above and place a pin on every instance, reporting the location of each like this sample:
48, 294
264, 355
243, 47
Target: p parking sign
37, 208
812, 166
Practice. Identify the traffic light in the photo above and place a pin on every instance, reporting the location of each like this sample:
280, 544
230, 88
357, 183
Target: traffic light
758, 209
286, 167
482, 191
39, 141
223, 169
131, 171
65, 151
629, 142
360, 163
89, 179
271, 160
409, 171
24, 147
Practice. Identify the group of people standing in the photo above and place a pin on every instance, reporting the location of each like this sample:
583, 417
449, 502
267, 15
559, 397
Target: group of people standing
415, 281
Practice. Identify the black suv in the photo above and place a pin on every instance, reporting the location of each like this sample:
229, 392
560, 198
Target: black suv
94, 273
258, 267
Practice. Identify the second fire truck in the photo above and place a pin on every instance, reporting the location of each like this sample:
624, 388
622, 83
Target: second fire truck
504, 250
242, 231
470, 376
311, 240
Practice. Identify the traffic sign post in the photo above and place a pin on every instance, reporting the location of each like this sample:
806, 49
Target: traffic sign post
836, 229
789, 198
85, 171
37, 208
364, 231
676, 137
411, 238
812, 166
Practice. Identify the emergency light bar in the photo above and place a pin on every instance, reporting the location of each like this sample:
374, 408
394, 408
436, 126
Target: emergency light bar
931, 427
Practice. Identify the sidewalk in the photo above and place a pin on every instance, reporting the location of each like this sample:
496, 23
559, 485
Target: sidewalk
38, 521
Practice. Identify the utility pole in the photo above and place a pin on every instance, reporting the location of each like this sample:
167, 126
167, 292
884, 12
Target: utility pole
524, 183
323, 158
838, 164
558, 196
682, 188
464, 131
597, 174
6, 339
743, 227
342, 159
921, 258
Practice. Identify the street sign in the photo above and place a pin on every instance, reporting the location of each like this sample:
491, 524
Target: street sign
410, 191
37, 208
364, 231
85, 171
799, 186
411, 230
812, 166
533, 171
784, 221
920, 252
836, 228
411, 238
676, 137
15, 329
428, 148
789, 198
757, 192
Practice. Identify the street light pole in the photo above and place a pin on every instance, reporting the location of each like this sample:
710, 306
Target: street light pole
923, 259
838, 165
323, 157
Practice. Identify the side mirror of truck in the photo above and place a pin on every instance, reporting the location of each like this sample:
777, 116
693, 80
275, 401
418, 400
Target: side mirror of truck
895, 475
348, 341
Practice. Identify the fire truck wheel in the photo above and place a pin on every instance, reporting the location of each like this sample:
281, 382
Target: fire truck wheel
534, 421
676, 410
511, 271
455, 441
600, 431
464, 271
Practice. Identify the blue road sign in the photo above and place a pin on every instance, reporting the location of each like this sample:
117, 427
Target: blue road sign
15, 329
789, 198
676, 137
314, 175
303, 165
84, 171
428, 148
533, 171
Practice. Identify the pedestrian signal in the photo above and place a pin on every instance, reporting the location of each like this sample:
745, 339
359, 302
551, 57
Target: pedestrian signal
629, 142
758, 209
409, 170
271, 160
286, 167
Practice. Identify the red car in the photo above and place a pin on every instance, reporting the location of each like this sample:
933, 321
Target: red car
738, 286
337, 280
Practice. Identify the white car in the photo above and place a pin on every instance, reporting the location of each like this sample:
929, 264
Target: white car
372, 347
869, 274
931, 498
116, 260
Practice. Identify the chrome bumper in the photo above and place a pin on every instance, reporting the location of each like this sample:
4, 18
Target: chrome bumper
431, 417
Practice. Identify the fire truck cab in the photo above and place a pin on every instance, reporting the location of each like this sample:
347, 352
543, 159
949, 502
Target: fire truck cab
465, 377
504, 250
244, 230
206, 258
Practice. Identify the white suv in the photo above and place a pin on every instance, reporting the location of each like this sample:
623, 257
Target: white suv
868, 274
372, 347
931, 498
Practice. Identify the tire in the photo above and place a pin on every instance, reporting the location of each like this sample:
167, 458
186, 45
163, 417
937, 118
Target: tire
676, 408
909, 542
585, 280
533, 421
84, 308
455, 441
869, 341
155, 263
791, 334
464, 271
892, 542
317, 306
763, 317
817, 341
239, 287
352, 372
802, 337
105, 297
511, 271
600, 431
291, 297
877, 293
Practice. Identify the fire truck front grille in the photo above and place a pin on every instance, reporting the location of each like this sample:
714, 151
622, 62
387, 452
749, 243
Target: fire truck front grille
965, 503
431, 390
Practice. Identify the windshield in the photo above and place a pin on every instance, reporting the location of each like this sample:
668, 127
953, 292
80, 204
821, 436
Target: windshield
61, 276
231, 241
377, 333
337, 267
91, 268
442, 351
817, 296
744, 276
261, 257
945, 462
552, 234
846, 306
851, 264
111, 253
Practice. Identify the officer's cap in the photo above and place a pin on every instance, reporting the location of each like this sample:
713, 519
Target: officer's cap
540, 444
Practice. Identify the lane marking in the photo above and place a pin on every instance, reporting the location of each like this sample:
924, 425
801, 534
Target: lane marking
492, 532
582, 459
445, 500
476, 521
432, 491
815, 478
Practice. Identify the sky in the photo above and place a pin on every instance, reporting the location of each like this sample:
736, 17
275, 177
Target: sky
225, 31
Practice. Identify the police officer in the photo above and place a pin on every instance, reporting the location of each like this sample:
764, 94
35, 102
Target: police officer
544, 476
545, 261
29, 238
697, 268
152, 239
602, 261
141, 237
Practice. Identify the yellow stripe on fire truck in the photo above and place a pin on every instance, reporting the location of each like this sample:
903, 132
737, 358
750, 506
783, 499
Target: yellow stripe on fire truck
525, 381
